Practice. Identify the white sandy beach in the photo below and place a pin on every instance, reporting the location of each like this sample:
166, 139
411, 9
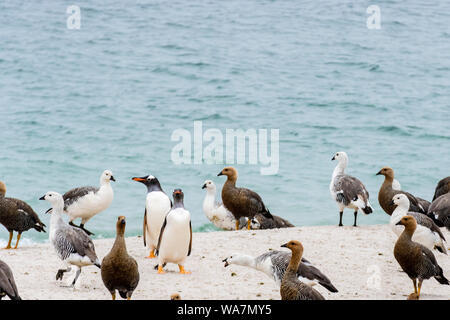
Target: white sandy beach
359, 262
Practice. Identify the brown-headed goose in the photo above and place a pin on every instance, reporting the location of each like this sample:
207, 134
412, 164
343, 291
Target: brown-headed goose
291, 288
416, 260
17, 215
241, 202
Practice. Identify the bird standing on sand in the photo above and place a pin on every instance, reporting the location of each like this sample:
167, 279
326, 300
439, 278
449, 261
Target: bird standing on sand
416, 260
157, 205
241, 202
274, 264
348, 191
175, 238
291, 288
72, 245
427, 232
17, 215
7, 284
386, 194
86, 202
120, 270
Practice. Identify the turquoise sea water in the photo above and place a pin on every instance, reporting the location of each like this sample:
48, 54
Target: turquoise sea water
109, 96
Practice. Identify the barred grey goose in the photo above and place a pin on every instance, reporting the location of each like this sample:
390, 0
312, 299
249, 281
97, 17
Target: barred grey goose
274, 264
17, 215
7, 284
72, 245
442, 188
440, 210
348, 191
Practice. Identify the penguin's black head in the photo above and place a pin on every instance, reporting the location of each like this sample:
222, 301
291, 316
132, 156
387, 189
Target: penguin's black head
147, 180
178, 194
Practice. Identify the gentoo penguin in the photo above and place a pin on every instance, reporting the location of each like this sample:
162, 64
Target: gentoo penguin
157, 205
348, 191
120, 270
418, 262
86, 202
241, 202
175, 239
291, 287
72, 245
17, 215
427, 232
7, 284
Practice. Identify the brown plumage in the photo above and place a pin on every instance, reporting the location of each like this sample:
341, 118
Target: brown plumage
241, 202
17, 215
386, 194
261, 222
119, 270
7, 283
442, 188
416, 260
291, 288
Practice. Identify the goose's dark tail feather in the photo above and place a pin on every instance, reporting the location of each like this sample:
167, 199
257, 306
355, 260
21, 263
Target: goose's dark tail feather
440, 278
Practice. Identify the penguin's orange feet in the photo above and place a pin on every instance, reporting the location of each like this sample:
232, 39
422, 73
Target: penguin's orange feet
160, 269
182, 271
151, 255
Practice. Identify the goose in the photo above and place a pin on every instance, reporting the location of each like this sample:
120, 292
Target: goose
274, 264
348, 191
241, 202
416, 260
291, 288
72, 245
17, 215
427, 232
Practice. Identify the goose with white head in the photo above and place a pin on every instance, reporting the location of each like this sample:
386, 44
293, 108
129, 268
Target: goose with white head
72, 245
348, 191
86, 202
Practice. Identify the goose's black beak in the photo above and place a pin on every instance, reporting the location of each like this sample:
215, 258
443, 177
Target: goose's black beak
333, 158
204, 186
379, 172
226, 262
391, 203
112, 179
398, 223
220, 173
42, 198
284, 245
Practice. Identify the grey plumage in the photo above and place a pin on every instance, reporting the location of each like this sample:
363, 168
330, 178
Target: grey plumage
73, 195
440, 210
280, 261
7, 284
442, 188
348, 189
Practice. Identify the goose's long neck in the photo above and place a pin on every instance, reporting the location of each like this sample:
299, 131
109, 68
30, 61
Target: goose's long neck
340, 168
400, 211
119, 244
210, 200
295, 261
247, 261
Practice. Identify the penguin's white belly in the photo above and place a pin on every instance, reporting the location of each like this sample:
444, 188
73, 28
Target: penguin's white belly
158, 205
174, 245
90, 204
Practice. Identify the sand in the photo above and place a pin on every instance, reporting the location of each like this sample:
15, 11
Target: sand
359, 262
